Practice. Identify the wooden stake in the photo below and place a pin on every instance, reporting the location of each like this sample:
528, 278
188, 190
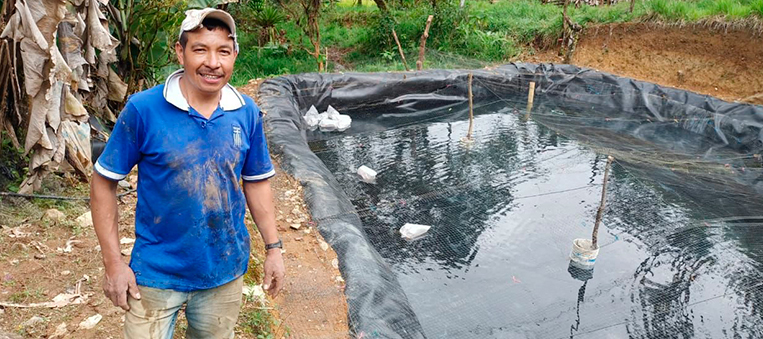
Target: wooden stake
530, 98
422, 47
595, 235
471, 109
400, 49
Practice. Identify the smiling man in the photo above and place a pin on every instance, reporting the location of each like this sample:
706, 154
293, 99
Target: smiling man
194, 140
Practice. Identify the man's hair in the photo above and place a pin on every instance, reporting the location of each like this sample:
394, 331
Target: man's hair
210, 24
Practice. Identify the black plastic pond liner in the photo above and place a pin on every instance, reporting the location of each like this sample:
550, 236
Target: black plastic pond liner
378, 307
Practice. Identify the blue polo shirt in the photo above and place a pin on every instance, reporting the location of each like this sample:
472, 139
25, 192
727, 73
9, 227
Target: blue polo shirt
189, 220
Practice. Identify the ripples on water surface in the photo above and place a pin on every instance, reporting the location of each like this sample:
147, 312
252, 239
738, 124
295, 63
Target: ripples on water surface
504, 213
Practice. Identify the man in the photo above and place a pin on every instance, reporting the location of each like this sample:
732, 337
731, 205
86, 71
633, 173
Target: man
193, 139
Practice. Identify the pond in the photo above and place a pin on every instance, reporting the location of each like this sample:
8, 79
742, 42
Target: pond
680, 242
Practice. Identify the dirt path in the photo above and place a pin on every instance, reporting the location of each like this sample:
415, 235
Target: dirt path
727, 64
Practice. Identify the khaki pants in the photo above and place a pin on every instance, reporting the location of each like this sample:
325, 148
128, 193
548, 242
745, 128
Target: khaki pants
211, 313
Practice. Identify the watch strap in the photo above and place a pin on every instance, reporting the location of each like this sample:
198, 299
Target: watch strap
277, 244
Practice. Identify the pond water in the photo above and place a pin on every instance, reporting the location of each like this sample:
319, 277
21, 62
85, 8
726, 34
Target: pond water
674, 261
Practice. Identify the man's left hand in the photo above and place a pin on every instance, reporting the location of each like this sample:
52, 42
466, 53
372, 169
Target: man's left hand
274, 272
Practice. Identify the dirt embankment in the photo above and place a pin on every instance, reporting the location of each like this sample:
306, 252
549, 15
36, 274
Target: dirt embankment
725, 63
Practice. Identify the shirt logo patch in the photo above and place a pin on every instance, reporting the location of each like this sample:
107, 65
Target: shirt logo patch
237, 136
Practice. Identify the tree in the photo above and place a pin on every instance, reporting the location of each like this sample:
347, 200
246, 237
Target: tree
306, 17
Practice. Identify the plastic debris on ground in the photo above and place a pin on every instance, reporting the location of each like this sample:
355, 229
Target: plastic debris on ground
413, 231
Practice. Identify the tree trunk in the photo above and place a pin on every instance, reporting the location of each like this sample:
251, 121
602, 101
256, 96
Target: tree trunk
382, 6
422, 47
400, 49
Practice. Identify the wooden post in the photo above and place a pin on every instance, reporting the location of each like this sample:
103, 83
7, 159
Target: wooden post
530, 98
595, 235
471, 109
422, 47
400, 49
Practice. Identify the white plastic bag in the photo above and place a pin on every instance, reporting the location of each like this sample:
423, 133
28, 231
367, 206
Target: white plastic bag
413, 231
368, 175
328, 125
312, 118
332, 113
344, 122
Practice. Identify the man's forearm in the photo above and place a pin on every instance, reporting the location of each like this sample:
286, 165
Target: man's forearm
259, 198
103, 206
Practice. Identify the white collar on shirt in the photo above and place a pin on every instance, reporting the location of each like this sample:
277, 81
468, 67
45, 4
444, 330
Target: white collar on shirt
230, 99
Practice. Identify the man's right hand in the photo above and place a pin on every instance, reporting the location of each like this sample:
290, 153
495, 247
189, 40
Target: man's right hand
117, 282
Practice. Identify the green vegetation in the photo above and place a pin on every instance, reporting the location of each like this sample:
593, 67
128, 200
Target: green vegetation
480, 34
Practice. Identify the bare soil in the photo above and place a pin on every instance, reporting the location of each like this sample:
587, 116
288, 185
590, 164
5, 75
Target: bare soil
725, 63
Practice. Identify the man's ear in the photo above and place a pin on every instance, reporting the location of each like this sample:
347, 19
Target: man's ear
179, 53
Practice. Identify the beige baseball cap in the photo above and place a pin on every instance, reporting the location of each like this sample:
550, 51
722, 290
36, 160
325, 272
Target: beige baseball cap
194, 18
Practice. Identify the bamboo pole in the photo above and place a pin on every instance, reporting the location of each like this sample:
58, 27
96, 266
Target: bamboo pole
595, 235
422, 47
530, 98
400, 49
471, 109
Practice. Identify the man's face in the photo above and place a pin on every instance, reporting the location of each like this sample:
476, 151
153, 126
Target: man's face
207, 59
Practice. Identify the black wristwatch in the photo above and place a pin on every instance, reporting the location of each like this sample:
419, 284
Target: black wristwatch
277, 244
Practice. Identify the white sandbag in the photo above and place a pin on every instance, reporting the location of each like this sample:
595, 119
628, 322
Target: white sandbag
413, 231
332, 113
312, 118
328, 125
368, 175
344, 123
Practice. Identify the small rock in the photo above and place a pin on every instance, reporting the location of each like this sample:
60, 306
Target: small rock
339, 279
33, 321
19, 247
124, 184
126, 241
335, 263
127, 251
14, 262
296, 211
39, 256
289, 220
60, 331
298, 239
279, 217
90, 322
295, 226
53, 215
324, 246
85, 220
8, 335
307, 230
65, 272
